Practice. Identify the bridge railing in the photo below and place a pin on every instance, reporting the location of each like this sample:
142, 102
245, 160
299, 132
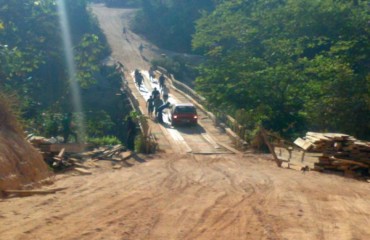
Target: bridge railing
148, 141
235, 130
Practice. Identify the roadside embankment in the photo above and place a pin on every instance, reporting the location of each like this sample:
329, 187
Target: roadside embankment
21, 164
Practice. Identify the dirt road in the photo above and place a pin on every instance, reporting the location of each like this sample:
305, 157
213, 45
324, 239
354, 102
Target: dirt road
193, 197
175, 195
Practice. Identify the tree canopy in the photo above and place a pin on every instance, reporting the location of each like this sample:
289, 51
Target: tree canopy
32, 54
170, 24
33, 66
290, 65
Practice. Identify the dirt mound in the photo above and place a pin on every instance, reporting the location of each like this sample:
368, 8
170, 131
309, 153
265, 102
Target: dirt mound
21, 164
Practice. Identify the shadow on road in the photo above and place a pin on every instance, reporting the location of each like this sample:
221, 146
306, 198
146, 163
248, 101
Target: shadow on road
138, 158
190, 129
185, 128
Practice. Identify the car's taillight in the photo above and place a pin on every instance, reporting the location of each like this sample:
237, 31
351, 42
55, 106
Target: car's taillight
175, 116
195, 117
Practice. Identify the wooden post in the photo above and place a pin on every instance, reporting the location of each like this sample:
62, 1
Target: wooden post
265, 139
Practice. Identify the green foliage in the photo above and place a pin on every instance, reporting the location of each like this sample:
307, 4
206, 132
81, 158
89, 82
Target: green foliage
135, 115
98, 123
179, 66
33, 66
104, 141
29, 34
88, 55
52, 124
140, 143
170, 24
32, 54
294, 65
168, 63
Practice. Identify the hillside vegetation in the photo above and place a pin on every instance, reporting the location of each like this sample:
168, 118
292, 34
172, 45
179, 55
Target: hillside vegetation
292, 66
33, 66
170, 24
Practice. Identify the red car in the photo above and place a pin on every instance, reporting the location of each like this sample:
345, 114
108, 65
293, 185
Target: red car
183, 113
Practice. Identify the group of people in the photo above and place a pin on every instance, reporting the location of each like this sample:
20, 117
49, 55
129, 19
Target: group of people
161, 77
155, 103
157, 98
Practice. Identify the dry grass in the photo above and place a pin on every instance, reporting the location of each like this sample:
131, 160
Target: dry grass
8, 113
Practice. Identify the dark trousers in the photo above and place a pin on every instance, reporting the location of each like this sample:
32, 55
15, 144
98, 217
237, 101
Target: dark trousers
131, 141
66, 135
160, 116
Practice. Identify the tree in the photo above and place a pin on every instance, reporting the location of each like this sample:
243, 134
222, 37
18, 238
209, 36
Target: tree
296, 64
170, 24
32, 54
30, 40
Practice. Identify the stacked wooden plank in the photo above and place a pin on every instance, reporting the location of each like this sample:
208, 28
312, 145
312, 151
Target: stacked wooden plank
297, 158
80, 161
339, 152
63, 157
111, 153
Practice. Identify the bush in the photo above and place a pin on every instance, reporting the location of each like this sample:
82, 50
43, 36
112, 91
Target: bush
178, 65
98, 123
102, 141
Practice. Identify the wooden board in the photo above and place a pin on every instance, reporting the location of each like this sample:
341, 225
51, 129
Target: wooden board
319, 136
338, 161
69, 147
61, 153
297, 157
83, 171
125, 155
282, 153
303, 143
336, 136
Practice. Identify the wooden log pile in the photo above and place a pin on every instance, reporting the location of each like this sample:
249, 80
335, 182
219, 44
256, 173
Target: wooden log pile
62, 157
338, 152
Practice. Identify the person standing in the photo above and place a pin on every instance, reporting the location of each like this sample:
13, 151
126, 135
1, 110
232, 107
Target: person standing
150, 106
161, 81
151, 74
138, 78
52, 127
164, 92
160, 111
131, 132
67, 127
136, 73
157, 103
141, 47
155, 93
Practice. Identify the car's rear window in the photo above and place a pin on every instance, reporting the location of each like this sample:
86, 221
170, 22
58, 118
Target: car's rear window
185, 109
